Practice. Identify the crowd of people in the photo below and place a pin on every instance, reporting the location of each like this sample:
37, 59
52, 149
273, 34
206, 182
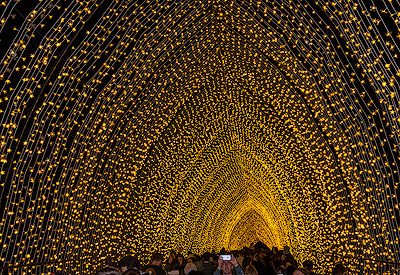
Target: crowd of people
259, 261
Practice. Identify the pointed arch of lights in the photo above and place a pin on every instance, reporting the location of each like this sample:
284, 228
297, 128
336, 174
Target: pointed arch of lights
131, 127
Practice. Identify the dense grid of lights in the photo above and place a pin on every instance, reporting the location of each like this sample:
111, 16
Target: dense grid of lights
133, 126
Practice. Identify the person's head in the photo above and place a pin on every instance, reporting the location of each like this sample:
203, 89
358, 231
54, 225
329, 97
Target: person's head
251, 270
339, 270
286, 250
206, 257
129, 262
189, 267
191, 260
263, 253
227, 267
181, 259
111, 263
156, 259
108, 271
308, 265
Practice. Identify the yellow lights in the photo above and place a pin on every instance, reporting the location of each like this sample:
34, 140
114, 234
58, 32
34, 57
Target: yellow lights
136, 126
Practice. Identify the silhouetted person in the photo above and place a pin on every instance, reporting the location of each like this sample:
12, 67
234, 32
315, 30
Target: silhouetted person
111, 263
261, 266
172, 257
181, 260
155, 263
208, 266
129, 262
309, 265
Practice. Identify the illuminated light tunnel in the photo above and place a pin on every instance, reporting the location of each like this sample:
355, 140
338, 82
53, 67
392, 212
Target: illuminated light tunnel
142, 126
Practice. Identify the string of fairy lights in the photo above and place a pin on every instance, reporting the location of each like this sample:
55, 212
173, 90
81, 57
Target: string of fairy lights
140, 126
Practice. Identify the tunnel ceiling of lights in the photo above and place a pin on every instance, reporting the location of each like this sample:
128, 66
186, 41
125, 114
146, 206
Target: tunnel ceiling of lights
141, 126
